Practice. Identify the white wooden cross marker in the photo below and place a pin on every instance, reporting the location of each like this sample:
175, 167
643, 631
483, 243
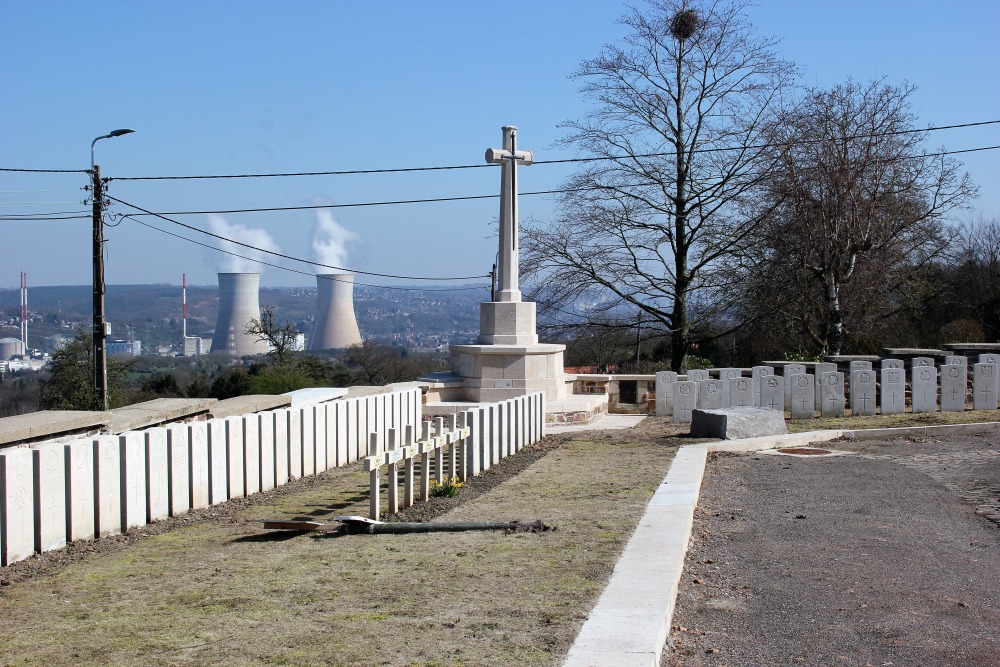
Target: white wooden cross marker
509, 157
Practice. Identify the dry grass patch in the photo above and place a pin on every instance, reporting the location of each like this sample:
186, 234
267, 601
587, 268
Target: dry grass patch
222, 591
894, 421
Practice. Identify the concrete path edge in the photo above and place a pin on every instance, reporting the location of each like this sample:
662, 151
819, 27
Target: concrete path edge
629, 625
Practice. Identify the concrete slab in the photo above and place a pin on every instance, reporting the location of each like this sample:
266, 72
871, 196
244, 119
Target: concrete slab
303, 397
245, 405
50, 424
157, 412
604, 422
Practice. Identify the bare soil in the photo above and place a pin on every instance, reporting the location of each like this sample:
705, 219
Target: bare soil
212, 587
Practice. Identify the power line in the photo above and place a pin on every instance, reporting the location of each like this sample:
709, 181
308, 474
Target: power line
283, 256
47, 171
306, 273
29, 218
301, 173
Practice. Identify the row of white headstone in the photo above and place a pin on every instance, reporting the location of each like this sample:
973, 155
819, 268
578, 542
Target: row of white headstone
824, 391
88, 488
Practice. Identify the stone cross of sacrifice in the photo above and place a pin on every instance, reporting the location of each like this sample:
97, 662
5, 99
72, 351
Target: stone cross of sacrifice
508, 157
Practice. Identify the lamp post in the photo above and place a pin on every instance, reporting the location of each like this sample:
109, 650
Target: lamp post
100, 330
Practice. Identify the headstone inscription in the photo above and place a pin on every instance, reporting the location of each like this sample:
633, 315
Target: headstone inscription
863, 396
740, 392
665, 393
819, 368
685, 401
711, 394
832, 388
157, 477
953, 387
893, 390
17, 540
860, 365
955, 360
803, 394
787, 372
49, 463
921, 362
984, 387
757, 373
923, 384
79, 490
772, 392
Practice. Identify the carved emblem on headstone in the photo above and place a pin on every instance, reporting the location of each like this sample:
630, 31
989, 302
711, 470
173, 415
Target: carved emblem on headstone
925, 375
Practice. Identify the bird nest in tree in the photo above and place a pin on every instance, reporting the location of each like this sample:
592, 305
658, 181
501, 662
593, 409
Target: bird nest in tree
684, 24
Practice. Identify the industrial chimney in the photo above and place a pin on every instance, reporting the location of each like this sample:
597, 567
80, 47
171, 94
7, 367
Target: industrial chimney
335, 326
238, 305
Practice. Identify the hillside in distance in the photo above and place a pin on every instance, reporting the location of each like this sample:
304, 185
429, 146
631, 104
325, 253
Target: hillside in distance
152, 313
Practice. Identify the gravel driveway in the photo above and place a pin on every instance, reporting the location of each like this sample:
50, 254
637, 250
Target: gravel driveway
889, 555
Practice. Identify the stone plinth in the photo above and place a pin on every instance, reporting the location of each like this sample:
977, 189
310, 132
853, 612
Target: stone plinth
735, 423
507, 323
498, 372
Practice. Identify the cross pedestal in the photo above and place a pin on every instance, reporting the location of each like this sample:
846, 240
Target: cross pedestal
508, 361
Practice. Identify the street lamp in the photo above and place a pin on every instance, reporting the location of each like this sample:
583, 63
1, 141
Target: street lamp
100, 330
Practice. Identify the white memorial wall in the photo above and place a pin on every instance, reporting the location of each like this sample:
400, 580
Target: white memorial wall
54, 493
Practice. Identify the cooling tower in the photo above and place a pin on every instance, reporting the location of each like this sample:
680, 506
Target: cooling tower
335, 326
238, 305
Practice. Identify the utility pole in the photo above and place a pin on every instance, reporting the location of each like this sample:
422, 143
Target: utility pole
100, 333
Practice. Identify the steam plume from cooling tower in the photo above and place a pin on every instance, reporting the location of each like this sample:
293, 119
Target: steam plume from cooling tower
330, 241
249, 260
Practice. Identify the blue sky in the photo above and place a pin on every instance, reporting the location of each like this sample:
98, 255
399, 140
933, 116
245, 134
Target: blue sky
261, 87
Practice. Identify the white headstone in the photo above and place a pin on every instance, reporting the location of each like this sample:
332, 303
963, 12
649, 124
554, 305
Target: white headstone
265, 428
281, 451
864, 394
893, 390
294, 431
758, 373
252, 468
984, 386
741, 392
859, 365
307, 437
921, 362
923, 385
819, 368
157, 475
665, 393
787, 371
341, 438
198, 469
772, 392
132, 449
79, 490
327, 416
17, 510
236, 458
347, 425
803, 396
179, 455
995, 360
107, 486
711, 394
832, 390
954, 385
956, 360
892, 363
49, 462
697, 375
685, 401
218, 462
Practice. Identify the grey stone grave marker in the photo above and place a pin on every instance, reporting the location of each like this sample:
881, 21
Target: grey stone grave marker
17, 540
740, 392
711, 394
132, 448
955, 360
218, 469
50, 496
954, 383
995, 360
251, 466
79, 490
157, 477
787, 372
198, 465
107, 486
893, 390
697, 375
984, 387
893, 363
758, 372
819, 369
803, 393
235, 458
863, 392
923, 389
665, 393
832, 390
860, 365
180, 484
685, 401
772, 392
726, 374
921, 362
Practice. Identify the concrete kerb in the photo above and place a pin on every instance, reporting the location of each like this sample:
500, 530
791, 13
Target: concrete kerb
630, 623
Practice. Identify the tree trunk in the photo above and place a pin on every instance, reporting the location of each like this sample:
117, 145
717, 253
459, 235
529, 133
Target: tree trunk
835, 327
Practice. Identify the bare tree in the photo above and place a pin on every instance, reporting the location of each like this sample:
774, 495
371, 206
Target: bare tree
856, 193
280, 337
678, 134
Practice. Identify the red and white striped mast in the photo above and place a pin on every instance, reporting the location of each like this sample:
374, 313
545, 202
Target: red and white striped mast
24, 313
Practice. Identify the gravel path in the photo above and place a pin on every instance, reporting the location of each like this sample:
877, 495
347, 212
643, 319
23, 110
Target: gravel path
888, 556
